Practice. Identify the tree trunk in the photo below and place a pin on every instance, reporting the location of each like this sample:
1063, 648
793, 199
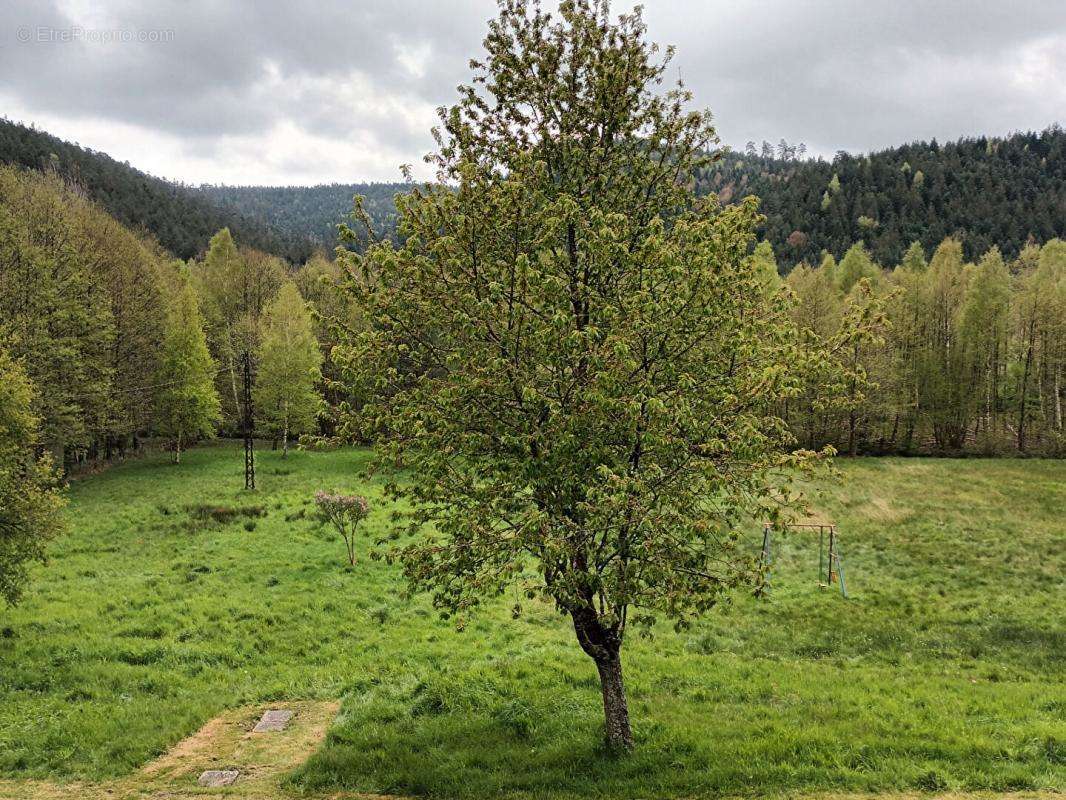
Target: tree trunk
177, 450
285, 441
604, 645
615, 708
1058, 396
1025, 388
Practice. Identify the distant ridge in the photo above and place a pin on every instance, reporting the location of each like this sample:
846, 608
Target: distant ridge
988, 191
312, 212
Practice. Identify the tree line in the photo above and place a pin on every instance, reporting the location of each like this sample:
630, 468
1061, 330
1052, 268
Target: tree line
969, 357
120, 341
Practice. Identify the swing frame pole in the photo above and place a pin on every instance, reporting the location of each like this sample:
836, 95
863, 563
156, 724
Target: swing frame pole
830, 564
766, 552
821, 552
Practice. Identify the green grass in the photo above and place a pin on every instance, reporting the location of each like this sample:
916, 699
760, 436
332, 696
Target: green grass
176, 596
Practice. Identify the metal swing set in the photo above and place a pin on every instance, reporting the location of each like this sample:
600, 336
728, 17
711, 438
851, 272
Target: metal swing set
830, 566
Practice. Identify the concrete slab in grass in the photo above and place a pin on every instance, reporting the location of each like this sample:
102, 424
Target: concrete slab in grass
273, 720
218, 777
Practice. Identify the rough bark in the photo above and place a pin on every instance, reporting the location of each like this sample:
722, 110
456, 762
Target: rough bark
603, 645
615, 708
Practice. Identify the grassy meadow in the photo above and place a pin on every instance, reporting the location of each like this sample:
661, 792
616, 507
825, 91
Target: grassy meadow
177, 596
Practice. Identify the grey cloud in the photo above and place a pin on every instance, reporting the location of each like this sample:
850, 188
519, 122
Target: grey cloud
862, 75
836, 73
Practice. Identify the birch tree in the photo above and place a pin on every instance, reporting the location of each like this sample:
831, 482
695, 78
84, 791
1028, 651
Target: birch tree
290, 364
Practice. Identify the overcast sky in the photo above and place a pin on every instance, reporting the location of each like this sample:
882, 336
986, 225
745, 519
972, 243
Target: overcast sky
289, 92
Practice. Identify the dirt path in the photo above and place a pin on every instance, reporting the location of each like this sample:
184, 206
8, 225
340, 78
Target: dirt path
226, 742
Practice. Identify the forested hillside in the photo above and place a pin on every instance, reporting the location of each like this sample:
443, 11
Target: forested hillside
181, 218
1005, 192
984, 192
312, 212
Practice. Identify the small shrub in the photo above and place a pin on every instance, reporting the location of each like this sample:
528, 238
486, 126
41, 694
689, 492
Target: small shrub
344, 512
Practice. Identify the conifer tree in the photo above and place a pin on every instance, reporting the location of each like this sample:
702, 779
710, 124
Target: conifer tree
914, 258
188, 406
766, 264
854, 266
234, 286
290, 363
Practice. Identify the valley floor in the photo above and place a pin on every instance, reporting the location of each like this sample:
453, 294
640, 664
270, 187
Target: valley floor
178, 598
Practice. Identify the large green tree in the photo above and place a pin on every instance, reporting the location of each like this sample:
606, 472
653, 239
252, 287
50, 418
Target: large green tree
29, 497
188, 406
290, 367
577, 361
